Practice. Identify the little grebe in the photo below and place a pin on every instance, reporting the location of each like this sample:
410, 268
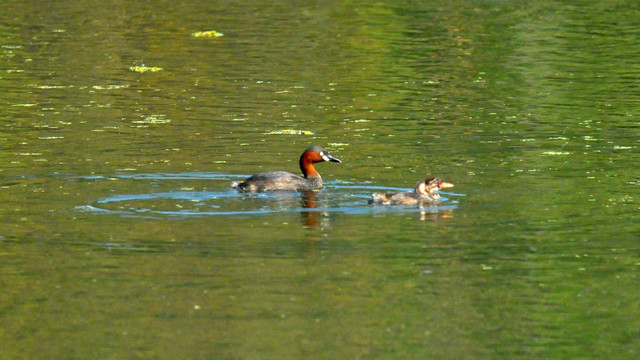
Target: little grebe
425, 191
283, 180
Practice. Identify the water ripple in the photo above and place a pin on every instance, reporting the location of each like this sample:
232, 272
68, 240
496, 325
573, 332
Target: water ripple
336, 197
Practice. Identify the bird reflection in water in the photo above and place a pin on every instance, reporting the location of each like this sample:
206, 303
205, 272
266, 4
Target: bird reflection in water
432, 213
309, 200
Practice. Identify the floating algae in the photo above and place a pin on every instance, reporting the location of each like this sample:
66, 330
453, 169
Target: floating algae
142, 69
290, 132
207, 34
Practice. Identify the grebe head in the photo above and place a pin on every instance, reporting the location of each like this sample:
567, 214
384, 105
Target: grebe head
431, 185
314, 154
318, 154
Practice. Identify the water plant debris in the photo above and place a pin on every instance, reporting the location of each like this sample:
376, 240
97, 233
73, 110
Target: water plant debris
207, 34
290, 132
142, 69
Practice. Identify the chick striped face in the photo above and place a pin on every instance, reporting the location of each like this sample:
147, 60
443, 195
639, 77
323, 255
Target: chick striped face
434, 184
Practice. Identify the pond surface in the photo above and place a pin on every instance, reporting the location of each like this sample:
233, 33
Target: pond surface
122, 238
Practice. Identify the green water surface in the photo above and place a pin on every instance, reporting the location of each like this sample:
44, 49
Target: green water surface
112, 245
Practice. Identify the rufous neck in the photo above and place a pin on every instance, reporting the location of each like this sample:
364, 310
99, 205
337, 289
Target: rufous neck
307, 168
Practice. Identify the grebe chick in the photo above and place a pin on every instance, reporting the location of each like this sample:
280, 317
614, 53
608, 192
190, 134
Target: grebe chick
425, 191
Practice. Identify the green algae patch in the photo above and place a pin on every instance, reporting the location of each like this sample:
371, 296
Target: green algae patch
290, 132
207, 34
143, 69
